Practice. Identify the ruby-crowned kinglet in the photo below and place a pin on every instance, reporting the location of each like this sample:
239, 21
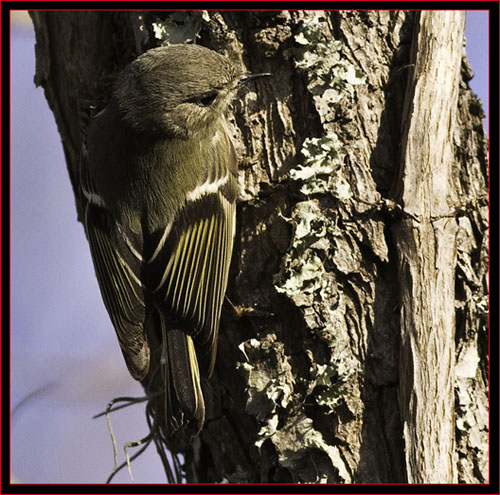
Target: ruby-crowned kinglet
159, 181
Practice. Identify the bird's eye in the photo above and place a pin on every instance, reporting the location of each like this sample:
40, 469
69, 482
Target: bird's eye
205, 101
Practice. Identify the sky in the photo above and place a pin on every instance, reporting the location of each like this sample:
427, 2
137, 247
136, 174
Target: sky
64, 350
476, 34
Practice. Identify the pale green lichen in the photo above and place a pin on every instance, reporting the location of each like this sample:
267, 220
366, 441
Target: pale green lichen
303, 274
306, 281
482, 305
269, 386
269, 428
467, 362
331, 77
303, 278
322, 60
333, 377
322, 169
309, 222
308, 275
269, 378
299, 436
179, 27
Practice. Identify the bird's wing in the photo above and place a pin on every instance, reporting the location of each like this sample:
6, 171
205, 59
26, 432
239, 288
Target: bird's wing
187, 262
118, 268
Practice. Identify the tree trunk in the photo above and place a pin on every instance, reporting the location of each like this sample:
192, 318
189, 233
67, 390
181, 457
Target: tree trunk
426, 247
353, 345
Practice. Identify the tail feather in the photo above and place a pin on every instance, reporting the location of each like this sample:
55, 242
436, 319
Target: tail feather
173, 382
185, 407
183, 367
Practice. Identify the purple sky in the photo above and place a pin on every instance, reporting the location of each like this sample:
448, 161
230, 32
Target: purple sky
476, 34
62, 338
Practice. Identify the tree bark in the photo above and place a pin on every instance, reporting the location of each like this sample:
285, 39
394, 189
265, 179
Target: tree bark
426, 248
357, 301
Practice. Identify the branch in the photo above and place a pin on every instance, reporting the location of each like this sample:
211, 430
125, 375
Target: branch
426, 241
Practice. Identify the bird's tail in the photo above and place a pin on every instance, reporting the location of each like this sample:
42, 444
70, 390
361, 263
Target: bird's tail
184, 407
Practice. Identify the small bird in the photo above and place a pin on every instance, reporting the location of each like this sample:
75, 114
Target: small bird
158, 177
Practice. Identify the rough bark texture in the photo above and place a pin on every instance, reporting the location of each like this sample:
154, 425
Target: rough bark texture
426, 247
308, 375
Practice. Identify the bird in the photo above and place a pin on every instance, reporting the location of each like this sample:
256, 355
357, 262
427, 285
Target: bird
158, 179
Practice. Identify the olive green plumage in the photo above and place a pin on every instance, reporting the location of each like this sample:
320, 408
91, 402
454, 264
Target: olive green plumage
159, 178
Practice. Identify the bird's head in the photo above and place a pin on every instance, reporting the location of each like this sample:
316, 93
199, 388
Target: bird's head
176, 90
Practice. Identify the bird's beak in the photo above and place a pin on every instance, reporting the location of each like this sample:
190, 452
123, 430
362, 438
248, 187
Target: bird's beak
247, 77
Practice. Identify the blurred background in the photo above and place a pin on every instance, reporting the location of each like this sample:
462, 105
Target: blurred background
66, 362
